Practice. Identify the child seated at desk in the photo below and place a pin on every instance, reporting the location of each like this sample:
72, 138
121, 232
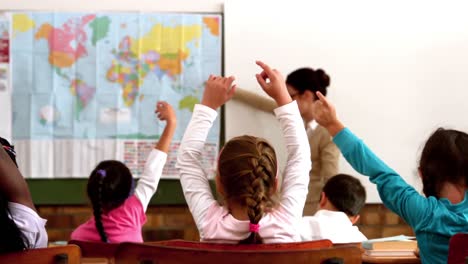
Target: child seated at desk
118, 207
443, 167
342, 199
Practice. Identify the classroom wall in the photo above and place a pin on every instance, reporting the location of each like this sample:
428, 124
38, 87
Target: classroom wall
167, 222
241, 118
399, 69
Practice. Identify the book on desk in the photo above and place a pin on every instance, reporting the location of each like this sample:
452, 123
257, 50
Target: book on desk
398, 246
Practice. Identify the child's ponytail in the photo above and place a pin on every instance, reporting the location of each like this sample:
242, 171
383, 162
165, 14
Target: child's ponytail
97, 208
256, 201
109, 185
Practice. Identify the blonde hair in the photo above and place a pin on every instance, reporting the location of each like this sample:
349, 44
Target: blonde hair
247, 172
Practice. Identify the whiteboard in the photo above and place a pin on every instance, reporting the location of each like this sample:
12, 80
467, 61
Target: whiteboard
399, 69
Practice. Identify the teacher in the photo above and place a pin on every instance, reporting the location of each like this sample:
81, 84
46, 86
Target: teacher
302, 85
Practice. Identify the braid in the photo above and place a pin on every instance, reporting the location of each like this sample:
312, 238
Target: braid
247, 168
257, 199
97, 210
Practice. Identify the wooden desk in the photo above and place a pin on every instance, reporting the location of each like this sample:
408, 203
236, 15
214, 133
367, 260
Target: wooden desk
95, 261
401, 260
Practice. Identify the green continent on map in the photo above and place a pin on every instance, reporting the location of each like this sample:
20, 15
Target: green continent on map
100, 28
188, 102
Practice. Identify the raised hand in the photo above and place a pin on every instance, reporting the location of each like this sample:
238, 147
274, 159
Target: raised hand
272, 82
325, 115
218, 90
165, 112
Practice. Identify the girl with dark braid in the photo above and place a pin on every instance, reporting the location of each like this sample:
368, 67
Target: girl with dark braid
247, 171
119, 209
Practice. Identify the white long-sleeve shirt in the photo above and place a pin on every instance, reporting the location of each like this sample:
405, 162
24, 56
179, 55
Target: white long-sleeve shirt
332, 225
214, 222
149, 179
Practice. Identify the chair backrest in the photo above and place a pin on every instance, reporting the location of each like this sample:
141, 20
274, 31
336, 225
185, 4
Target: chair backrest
69, 254
458, 249
162, 254
96, 249
203, 245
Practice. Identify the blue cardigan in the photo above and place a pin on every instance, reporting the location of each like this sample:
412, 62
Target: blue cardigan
433, 220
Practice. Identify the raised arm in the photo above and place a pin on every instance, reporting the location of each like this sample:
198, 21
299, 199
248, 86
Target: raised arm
193, 178
149, 180
296, 174
12, 184
395, 193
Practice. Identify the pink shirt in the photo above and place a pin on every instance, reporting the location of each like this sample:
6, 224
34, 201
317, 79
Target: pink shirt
124, 223
121, 224
214, 221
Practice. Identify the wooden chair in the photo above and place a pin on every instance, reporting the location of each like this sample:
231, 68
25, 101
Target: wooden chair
54, 255
280, 246
163, 254
458, 249
94, 251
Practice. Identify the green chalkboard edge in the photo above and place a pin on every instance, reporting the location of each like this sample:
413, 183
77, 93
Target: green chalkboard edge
73, 192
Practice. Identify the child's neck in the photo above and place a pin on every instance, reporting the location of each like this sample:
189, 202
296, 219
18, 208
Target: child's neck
453, 192
238, 212
328, 206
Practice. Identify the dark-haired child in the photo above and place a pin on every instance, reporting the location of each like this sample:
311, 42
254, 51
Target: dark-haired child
341, 200
247, 171
21, 227
443, 168
119, 209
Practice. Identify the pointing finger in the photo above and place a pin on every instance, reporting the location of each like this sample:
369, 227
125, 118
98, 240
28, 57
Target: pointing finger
323, 99
269, 72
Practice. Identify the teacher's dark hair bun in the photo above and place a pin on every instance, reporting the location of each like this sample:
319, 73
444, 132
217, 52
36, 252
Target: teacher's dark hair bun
322, 78
308, 79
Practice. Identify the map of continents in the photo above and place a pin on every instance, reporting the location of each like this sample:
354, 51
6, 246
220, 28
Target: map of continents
99, 75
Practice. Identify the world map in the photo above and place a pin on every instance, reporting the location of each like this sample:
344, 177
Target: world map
99, 75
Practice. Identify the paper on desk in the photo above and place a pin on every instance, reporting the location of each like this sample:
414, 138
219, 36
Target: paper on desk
392, 238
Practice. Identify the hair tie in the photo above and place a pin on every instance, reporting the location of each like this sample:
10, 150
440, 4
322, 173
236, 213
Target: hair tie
254, 227
102, 173
10, 149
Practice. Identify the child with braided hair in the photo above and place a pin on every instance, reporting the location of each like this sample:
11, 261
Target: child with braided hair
119, 208
247, 171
